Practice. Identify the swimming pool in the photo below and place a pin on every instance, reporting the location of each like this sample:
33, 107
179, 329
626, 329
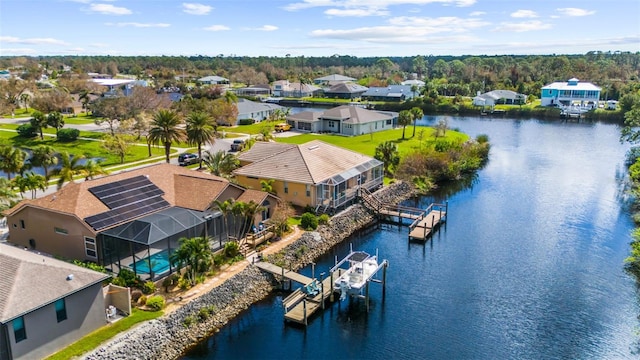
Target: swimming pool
159, 264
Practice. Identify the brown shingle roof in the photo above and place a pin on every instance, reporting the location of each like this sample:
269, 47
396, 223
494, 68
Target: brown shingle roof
30, 281
75, 198
308, 163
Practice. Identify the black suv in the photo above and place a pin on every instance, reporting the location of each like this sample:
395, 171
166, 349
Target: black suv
187, 159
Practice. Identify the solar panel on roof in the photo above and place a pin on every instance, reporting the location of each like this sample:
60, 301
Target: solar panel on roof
126, 199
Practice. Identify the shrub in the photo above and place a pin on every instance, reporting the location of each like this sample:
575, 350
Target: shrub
148, 287
308, 221
68, 134
184, 283
27, 131
136, 295
309, 209
482, 138
203, 313
231, 249
170, 281
188, 321
323, 219
142, 300
156, 302
129, 277
246, 121
119, 281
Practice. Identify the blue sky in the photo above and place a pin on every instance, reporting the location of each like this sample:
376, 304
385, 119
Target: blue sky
317, 27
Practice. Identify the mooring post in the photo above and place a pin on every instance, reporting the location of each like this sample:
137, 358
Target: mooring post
282, 280
304, 310
384, 277
331, 276
313, 270
366, 297
322, 288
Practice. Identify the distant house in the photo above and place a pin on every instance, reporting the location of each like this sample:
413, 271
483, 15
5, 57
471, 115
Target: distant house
256, 90
572, 92
284, 88
345, 91
114, 84
494, 97
390, 93
314, 174
332, 80
45, 304
131, 220
344, 120
412, 82
214, 80
257, 111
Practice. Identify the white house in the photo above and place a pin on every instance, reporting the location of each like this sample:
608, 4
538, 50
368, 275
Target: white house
344, 120
572, 92
494, 97
257, 111
214, 80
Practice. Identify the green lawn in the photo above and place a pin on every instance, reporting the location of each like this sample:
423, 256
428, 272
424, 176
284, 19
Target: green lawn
103, 334
366, 144
252, 129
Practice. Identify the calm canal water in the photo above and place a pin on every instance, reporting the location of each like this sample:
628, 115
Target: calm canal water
528, 266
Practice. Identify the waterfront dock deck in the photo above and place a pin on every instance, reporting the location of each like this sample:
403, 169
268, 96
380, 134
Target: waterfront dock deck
299, 305
287, 274
424, 226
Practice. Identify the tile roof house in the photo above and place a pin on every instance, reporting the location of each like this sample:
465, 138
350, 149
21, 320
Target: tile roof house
332, 79
315, 174
345, 91
45, 304
257, 111
284, 88
390, 93
345, 120
494, 97
128, 220
214, 80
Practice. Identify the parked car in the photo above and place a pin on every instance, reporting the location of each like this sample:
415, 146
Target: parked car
237, 145
187, 159
282, 127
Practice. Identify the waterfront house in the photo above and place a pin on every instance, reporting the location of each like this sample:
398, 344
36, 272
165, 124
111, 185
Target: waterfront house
255, 90
572, 92
130, 220
396, 93
412, 82
45, 304
214, 80
494, 97
284, 88
345, 91
344, 120
315, 173
333, 79
257, 111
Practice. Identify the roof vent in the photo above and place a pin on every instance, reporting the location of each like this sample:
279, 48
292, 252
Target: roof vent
314, 147
70, 277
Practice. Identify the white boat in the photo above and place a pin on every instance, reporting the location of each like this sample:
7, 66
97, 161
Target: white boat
362, 267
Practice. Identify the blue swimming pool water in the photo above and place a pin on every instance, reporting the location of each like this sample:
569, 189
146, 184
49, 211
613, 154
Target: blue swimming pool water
159, 264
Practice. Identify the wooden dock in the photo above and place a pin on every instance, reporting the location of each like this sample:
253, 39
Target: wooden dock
424, 226
287, 274
299, 305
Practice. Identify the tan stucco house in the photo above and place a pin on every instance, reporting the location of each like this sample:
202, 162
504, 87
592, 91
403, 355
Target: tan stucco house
315, 174
131, 220
344, 120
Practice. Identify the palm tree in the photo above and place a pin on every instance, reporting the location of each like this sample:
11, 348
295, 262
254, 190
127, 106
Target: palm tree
30, 181
45, 157
92, 168
250, 210
416, 114
84, 99
267, 186
24, 99
7, 194
200, 130
387, 152
70, 167
55, 120
164, 130
38, 122
230, 97
237, 209
225, 209
221, 163
11, 160
195, 253
414, 90
404, 119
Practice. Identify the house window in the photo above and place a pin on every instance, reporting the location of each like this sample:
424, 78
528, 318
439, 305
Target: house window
22, 224
389, 122
331, 124
286, 187
90, 247
60, 231
19, 331
308, 190
61, 310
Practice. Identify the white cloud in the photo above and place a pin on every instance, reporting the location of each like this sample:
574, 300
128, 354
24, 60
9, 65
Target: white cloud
31, 41
139, 25
356, 12
477, 13
108, 9
524, 14
217, 28
382, 4
533, 25
196, 9
575, 12
263, 28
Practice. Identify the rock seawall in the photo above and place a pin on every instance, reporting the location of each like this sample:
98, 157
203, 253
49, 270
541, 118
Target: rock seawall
169, 336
